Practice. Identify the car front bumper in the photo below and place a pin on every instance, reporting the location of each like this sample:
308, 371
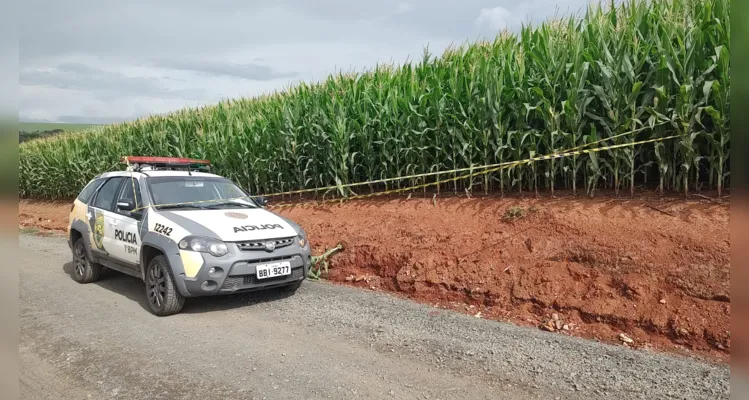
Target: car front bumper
236, 271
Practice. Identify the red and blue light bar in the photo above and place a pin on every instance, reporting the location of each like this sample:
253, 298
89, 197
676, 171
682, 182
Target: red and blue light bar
163, 160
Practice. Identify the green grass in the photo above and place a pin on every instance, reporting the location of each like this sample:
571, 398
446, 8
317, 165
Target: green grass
29, 230
34, 231
658, 66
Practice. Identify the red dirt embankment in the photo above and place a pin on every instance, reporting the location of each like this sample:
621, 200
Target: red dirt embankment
657, 271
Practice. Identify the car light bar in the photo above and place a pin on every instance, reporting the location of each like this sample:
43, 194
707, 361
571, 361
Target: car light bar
163, 160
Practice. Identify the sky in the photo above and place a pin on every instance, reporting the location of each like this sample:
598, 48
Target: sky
101, 61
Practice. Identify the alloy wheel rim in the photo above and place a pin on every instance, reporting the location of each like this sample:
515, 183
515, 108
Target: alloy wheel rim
80, 260
156, 286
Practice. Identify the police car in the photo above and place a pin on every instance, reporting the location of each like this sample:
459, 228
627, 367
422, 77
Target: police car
184, 231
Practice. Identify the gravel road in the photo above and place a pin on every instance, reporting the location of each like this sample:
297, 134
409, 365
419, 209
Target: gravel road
98, 341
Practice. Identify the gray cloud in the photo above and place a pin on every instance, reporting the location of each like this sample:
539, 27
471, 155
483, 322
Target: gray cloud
249, 71
102, 83
110, 59
77, 119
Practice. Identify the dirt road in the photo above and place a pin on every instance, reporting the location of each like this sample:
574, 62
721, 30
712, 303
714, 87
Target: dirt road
98, 341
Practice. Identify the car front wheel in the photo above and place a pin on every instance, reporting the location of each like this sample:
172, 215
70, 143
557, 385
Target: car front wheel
162, 294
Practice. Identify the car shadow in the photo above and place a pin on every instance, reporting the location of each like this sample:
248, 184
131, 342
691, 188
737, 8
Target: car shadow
133, 289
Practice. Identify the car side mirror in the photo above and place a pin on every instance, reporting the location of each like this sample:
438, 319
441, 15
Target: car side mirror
261, 200
127, 205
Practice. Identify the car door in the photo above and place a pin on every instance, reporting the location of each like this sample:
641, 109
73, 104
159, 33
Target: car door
126, 235
99, 215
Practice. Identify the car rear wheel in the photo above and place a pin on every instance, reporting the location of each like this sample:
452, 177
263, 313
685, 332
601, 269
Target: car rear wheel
84, 270
161, 292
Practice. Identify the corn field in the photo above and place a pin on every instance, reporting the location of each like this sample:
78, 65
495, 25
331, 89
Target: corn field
660, 67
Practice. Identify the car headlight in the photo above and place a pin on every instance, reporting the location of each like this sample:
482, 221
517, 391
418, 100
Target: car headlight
204, 245
302, 238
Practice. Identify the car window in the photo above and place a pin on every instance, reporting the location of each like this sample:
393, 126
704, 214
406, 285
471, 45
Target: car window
171, 190
127, 192
89, 190
105, 198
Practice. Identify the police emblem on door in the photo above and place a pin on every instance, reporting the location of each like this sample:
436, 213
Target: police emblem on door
99, 231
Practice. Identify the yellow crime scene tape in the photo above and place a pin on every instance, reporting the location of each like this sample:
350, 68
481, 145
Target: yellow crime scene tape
486, 171
483, 170
452, 171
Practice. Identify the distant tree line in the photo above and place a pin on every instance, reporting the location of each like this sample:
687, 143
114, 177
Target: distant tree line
24, 136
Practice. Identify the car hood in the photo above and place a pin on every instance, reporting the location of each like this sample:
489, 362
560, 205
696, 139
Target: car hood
233, 225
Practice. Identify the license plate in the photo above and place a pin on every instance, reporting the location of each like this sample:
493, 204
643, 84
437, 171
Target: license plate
272, 270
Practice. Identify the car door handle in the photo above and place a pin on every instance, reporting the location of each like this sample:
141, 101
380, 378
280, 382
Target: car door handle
113, 223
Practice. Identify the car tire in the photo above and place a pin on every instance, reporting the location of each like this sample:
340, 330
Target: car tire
161, 293
293, 287
84, 270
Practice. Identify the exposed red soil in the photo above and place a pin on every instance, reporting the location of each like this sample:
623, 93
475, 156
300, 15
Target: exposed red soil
45, 215
594, 268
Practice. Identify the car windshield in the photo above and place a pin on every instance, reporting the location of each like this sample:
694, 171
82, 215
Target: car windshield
199, 192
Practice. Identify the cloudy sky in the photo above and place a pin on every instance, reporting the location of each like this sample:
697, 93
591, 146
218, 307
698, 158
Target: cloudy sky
101, 61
